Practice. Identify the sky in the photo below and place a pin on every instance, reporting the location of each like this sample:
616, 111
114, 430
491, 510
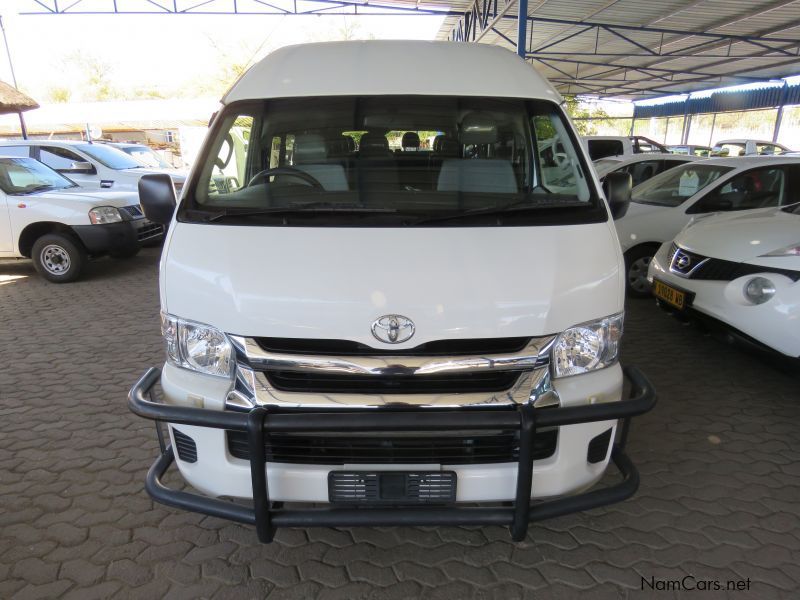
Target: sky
178, 54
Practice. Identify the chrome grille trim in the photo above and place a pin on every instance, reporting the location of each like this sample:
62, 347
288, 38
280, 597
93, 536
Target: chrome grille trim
534, 355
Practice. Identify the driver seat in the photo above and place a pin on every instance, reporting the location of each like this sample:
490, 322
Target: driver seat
311, 157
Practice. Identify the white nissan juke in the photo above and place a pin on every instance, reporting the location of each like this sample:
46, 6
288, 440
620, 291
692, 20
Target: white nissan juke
741, 269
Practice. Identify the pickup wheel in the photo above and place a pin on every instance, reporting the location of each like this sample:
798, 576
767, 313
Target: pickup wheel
124, 253
637, 260
58, 258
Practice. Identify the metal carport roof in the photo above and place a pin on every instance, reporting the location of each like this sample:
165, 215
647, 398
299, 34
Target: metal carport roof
621, 48
641, 48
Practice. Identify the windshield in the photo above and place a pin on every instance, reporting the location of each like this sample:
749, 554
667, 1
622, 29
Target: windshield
729, 149
110, 157
393, 161
672, 187
146, 157
27, 176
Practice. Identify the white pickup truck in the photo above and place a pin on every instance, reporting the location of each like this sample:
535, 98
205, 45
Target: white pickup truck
46, 217
396, 334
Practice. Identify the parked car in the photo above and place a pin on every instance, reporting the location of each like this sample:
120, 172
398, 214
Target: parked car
143, 154
663, 205
601, 146
740, 270
406, 321
744, 147
94, 166
640, 166
691, 150
48, 218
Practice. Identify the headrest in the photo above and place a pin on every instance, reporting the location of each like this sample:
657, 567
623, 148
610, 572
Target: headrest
478, 128
373, 144
410, 140
437, 142
309, 147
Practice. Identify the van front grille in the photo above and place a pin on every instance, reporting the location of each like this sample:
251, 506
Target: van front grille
390, 448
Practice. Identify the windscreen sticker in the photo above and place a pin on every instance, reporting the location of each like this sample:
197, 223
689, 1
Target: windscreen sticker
689, 184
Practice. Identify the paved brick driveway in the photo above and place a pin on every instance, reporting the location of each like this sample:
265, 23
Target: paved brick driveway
720, 463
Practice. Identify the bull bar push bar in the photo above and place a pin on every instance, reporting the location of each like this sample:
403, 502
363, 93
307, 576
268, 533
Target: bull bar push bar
267, 516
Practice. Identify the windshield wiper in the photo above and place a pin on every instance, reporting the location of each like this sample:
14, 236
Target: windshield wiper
313, 207
522, 205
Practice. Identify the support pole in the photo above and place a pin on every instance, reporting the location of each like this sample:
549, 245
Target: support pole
522, 24
779, 116
711, 135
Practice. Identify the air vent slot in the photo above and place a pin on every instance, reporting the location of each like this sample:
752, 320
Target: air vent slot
184, 446
598, 447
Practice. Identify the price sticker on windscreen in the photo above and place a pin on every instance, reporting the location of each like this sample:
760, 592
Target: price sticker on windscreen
689, 184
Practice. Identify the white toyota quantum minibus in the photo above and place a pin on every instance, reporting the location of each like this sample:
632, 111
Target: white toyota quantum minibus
391, 294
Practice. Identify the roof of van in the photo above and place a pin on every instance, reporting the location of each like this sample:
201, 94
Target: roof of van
383, 67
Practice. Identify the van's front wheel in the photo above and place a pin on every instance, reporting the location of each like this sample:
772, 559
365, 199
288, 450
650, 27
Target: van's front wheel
637, 260
57, 258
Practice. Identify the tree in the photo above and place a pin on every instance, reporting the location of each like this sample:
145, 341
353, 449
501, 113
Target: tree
586, 118
93, 75
58, 94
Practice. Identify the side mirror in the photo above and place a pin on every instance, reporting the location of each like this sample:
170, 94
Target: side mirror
157, 197
80, 166
617, 188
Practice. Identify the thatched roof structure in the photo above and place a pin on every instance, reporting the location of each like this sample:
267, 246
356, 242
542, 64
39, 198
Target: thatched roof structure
14, 101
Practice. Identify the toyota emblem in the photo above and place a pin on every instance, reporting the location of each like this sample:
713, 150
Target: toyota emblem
393, 329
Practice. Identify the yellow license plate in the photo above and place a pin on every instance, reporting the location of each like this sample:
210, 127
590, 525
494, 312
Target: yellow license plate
669, 294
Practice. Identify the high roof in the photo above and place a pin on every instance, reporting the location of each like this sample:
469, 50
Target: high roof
641, 48
382, 67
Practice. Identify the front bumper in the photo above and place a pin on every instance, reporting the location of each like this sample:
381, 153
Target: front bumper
120, 236
109, 237
267, 515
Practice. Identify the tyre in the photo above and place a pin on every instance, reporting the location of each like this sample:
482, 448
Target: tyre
637, 260
58, 258
124, 253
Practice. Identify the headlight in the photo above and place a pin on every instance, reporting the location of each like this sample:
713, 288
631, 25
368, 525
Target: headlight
104, 214
759, 289
587, 347
196, 347
793, 250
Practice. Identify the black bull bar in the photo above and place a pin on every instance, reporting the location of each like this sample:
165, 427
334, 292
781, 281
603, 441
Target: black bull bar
260, 422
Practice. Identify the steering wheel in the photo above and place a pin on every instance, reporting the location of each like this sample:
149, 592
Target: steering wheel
288, 171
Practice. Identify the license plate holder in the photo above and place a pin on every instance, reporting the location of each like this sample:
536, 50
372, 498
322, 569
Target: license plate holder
674, 296
392, 487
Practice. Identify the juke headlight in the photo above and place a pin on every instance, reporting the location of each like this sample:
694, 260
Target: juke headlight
196, 346
587, 347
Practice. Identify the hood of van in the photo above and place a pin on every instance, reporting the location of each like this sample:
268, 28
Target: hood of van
333, 283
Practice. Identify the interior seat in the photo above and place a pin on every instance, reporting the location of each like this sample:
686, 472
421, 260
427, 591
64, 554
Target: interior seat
311, 157
377, 170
